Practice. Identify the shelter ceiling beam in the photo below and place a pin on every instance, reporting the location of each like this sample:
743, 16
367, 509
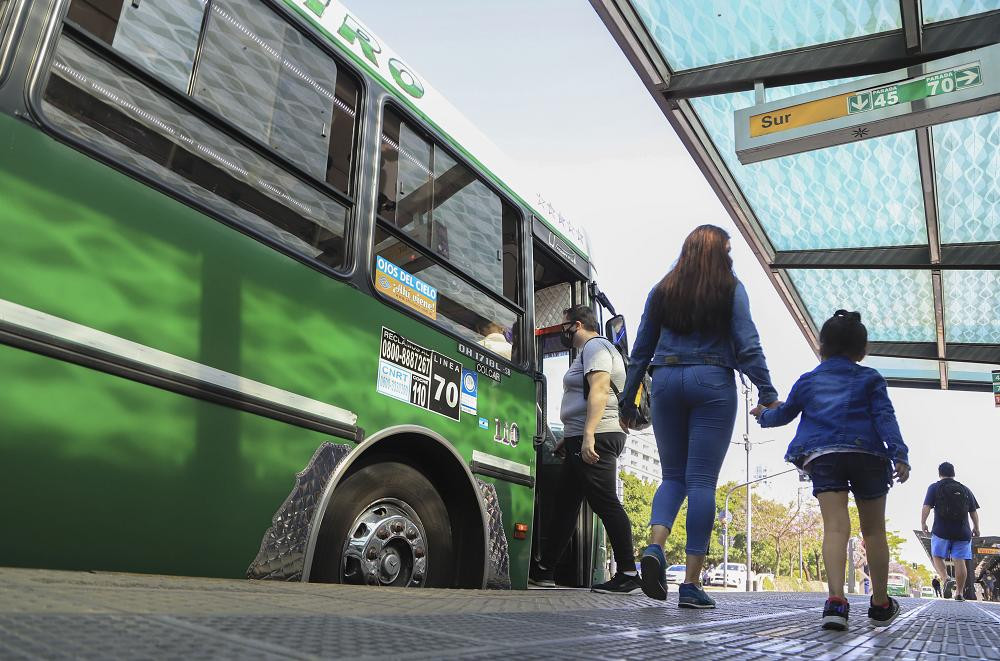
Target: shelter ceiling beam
859, 56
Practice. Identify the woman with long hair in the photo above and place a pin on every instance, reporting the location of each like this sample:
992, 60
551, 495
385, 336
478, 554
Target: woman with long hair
695, 332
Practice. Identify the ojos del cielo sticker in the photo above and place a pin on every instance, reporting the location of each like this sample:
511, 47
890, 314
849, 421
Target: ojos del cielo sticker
406, 288
419, 376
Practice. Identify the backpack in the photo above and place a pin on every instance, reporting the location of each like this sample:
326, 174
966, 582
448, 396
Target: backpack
644, 417
951, 501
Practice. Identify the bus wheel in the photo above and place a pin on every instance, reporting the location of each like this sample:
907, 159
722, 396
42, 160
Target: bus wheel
387, 525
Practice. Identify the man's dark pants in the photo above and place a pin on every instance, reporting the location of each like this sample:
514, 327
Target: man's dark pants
597, 484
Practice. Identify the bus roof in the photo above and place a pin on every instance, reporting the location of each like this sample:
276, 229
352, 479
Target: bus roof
366, 50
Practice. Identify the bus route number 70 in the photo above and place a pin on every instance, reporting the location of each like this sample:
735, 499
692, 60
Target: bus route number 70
446, 380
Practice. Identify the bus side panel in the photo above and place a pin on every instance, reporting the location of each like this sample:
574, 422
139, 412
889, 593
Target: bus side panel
87, 243
100, 472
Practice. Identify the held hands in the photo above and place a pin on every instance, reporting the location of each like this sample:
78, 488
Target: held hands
902, 473
587, 451
975, 531
924, 527
760, 408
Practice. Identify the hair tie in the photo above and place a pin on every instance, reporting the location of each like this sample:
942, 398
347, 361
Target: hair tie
852, 316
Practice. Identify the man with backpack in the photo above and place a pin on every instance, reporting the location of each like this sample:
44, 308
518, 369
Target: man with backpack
951, 536
593, 441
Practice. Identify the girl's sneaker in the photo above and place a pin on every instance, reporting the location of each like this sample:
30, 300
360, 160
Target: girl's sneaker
690, 595
654, 572
882, 616
836, 612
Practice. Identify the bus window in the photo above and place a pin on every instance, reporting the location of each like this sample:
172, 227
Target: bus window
462, 308
160, 36
267, 78
444, 206
129, 121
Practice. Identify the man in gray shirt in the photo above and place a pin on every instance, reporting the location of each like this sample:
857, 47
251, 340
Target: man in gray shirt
593, 441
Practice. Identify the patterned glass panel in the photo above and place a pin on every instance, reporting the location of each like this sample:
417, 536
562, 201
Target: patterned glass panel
904, 368
859, 195
972, 306
943, 10
269, 80
161, 36
967, 164
895, 305
694, 33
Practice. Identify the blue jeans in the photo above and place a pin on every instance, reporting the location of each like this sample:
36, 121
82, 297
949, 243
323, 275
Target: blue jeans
694, 412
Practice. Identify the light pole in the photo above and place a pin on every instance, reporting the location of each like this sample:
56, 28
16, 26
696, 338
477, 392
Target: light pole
725, 521
747, 445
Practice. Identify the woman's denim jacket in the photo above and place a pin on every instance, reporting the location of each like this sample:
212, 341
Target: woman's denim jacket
739, 349
845, 408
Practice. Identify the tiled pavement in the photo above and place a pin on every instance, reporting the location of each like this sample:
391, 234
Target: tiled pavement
48, 614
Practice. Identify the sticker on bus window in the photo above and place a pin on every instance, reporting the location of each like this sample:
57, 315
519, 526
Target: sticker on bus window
421, 377
406, 288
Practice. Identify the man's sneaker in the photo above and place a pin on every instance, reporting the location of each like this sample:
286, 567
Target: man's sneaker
539, 577
836, 612
882, 616
654, 572
959, 596
619, 584
949, 587
690, 595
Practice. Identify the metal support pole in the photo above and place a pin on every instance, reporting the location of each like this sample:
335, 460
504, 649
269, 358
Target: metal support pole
800, 535
851, 578
746, 443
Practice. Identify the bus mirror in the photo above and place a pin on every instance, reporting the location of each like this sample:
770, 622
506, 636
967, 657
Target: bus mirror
614, 329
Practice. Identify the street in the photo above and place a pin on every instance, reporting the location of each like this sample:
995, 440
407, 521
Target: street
50, 614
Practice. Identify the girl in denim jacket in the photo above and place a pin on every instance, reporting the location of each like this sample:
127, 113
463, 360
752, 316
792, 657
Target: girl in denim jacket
848, 439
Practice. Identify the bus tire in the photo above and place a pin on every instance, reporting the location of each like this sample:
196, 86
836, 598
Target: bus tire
386, 525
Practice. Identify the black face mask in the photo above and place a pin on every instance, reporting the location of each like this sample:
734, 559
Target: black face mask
566, 337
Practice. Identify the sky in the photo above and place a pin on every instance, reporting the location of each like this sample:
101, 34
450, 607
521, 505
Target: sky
546, 82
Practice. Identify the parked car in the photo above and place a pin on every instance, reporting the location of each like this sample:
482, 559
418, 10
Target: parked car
927, 592
735, 575
676, 574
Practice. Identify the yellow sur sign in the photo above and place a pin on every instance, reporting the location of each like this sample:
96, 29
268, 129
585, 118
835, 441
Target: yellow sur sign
802, 114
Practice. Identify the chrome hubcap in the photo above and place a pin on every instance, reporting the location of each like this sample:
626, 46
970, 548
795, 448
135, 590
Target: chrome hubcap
386, 545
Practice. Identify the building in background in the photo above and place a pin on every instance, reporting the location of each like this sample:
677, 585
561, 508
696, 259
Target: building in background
641, 458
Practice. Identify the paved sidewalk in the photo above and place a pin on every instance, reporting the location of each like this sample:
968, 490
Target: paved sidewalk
48, 614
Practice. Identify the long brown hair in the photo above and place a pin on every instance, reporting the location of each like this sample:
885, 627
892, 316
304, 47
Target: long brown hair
697, 293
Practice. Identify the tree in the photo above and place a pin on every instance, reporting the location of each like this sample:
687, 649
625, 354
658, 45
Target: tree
637, 498
895, 542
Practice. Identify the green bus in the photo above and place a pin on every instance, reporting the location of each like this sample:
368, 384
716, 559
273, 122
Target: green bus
260, 313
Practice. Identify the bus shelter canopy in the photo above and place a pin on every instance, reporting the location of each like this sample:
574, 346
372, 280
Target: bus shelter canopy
904, 228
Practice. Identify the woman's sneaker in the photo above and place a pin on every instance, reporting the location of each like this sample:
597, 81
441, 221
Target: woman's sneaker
619, 584
690, 595
882, 616
654, 572
836, 612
